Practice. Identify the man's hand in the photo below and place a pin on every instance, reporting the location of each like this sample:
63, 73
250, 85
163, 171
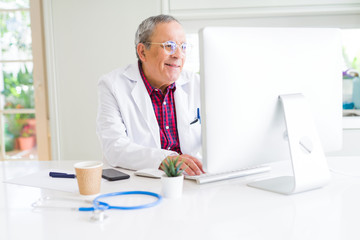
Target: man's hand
191, 164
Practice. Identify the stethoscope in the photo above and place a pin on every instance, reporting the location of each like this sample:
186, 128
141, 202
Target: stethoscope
99, 207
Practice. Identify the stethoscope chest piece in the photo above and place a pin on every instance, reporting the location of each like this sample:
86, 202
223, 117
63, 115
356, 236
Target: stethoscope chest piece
98, 216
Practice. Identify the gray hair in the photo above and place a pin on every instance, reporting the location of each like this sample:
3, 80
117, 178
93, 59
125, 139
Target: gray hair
146, 29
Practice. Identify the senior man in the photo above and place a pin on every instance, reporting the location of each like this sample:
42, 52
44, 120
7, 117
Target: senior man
148, 110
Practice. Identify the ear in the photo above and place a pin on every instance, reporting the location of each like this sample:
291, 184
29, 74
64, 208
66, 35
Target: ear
140, 48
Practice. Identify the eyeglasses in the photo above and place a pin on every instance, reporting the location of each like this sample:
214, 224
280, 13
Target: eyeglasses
171, 46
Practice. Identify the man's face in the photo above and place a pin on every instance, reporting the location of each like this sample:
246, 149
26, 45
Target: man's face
160, 68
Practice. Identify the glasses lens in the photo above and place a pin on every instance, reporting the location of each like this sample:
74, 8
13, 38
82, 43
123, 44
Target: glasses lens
170, 47
186, 48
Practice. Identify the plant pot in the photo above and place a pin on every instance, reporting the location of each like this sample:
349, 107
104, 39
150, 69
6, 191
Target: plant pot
26, 143
172, 186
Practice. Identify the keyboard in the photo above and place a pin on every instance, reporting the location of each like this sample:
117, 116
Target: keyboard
213, 177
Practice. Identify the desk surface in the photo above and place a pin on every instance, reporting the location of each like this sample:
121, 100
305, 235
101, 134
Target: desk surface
221, 210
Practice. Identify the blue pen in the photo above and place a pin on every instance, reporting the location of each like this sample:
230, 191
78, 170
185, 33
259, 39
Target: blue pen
61, 175
197, 117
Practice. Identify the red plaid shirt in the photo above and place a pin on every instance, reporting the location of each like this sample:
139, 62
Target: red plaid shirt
164, 107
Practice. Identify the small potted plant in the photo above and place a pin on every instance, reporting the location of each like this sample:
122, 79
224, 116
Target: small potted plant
27, 138
172, 180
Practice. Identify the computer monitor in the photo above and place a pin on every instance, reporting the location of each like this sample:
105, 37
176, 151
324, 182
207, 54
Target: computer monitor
243, 73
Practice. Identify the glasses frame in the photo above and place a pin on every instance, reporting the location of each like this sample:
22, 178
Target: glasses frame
173, 50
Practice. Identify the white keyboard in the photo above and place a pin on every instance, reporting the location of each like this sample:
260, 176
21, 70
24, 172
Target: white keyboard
213, 177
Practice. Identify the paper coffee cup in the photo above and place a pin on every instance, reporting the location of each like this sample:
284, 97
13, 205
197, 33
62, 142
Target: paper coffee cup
88, 175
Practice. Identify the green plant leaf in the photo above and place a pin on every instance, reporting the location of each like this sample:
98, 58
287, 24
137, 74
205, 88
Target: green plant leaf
171, 167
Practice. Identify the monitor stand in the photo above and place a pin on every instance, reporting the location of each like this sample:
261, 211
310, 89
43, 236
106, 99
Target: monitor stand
309, 164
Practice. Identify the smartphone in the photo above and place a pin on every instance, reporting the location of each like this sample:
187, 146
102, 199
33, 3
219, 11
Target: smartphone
113, 175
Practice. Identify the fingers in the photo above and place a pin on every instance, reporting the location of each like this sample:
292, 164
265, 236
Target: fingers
197, 162
191, 165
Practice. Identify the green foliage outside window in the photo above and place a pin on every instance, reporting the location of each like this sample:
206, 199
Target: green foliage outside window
19, 93
18, 89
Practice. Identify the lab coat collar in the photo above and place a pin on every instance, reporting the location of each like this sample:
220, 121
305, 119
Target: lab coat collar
143, 101
132, 72
182, 114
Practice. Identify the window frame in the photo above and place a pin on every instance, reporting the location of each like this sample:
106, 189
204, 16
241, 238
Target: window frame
40, 84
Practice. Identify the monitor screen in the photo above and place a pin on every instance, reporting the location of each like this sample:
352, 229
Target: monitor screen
243, 72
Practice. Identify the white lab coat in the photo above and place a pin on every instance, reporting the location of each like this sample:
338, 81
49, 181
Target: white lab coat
126, 123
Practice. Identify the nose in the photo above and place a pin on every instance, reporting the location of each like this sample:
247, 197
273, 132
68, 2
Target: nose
178, 53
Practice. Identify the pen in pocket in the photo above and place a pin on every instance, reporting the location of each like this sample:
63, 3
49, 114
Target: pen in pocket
197, 117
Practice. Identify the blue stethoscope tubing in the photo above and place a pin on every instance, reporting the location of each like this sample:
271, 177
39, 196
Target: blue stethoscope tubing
100, 205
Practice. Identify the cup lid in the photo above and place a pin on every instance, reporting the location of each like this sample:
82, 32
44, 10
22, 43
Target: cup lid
88, 164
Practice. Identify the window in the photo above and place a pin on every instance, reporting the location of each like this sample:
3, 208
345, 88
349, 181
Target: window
22, 116
351, 70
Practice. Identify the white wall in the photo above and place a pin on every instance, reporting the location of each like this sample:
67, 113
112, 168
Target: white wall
85, 39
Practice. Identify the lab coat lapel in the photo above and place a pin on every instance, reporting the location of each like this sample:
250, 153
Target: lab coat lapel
182, 116
143, 102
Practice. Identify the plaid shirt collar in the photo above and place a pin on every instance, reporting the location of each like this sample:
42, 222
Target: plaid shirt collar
148, 86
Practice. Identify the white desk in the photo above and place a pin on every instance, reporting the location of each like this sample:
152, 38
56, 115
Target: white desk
222, 210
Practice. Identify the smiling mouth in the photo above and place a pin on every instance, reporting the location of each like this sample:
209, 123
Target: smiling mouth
172, 65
